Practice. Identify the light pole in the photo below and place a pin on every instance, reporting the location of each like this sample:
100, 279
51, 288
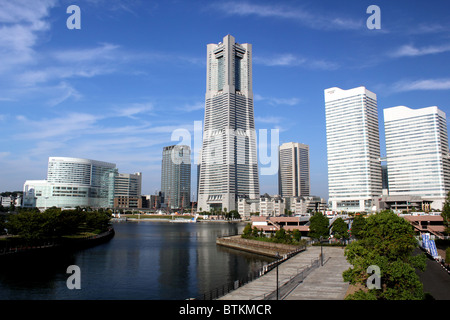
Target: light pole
321, 252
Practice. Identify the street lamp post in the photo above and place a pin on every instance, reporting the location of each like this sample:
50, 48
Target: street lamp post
321, 252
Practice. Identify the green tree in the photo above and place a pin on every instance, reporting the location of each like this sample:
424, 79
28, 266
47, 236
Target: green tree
3, 219
281, 236
318, 226
31, 225
340, 229
387, 241
247, 232
358, 224
233, 214
70, 222
97, 221
297, 235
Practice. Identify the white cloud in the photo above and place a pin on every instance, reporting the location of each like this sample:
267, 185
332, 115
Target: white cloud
411, 51
277, 101
134, 109
4, 154
65, 127
105, 51
426, 84
193, 107
291, 60
308, 19
428, 28
269, 119
21, 24
67, 91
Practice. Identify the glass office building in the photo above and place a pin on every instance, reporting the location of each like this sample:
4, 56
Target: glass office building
72, 182
176, 176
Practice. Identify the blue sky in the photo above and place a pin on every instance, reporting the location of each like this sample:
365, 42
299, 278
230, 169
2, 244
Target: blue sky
117, 89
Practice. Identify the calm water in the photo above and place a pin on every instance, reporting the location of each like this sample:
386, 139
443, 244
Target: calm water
145, 260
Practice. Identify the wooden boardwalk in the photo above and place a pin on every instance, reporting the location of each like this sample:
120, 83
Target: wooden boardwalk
317, 282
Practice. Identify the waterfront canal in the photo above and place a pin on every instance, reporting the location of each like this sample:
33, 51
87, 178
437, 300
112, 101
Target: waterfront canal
146, 260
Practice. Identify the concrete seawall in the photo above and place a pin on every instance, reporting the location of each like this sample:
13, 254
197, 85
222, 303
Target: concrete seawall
260, 247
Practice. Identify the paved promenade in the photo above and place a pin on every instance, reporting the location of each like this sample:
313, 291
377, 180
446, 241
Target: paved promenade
322, 282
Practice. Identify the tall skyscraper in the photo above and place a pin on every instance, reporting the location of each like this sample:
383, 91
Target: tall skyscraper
176, 176
73, 182
293, 173
353, 148
417, 153
228, 166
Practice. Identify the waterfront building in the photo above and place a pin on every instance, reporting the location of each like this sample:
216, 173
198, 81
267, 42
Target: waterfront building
176, 176
247, 207
304, 205
127, 191
228, 163
269, 224
130, 202
271, 205
293, 173
417, 153
72, 182
353, 149
6, 201
153, 201
128, 185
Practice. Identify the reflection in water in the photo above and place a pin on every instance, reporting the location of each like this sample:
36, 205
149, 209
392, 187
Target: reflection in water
145, 260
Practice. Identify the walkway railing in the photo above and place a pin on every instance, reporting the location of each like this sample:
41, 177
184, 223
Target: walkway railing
293, 282
227, 288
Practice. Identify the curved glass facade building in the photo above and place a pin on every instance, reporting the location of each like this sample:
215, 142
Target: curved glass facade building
72, 182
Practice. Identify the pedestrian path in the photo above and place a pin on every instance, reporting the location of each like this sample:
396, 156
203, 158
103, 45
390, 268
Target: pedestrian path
323, 282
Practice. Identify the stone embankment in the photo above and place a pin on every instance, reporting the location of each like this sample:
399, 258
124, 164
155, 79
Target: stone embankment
270, 249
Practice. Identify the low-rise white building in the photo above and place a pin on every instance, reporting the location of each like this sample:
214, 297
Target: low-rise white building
6, 201
246, 207
271, 206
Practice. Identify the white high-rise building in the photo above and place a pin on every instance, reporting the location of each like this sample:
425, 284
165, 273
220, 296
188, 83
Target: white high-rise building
417, 153
293, 173
353, 148
228, 165
72, 182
